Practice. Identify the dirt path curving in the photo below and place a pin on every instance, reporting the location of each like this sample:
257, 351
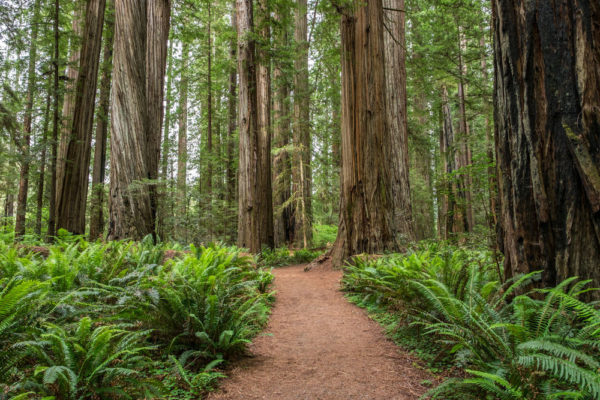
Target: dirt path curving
320, 347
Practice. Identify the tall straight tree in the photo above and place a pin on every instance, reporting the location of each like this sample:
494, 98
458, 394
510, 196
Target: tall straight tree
182, 153
137, 92
232, 105
74, 186
395, 74
99, 166
547, 119
368, 222
25, 140
302, 147
253, 229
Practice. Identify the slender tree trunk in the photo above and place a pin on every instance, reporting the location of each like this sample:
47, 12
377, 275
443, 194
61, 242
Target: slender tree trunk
99, 166
367, 220
158, 26
42, 175
69, 99
209, 131
164, 229
25, 162
55, 121
302, 145
74, 187
232, 100
395, 71
487, 107
454, 204
182, 146
547, 119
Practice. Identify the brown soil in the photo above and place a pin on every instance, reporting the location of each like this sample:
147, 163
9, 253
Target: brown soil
318, 346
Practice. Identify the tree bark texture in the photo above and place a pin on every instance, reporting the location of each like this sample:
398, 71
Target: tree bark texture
301, 131
26, 139
367, 218
99, 166
42, 175
74, 179
395, 74
232, 105
182, 153
547, 119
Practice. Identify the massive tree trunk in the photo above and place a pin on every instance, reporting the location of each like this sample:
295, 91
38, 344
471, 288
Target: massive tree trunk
55, 121
182, 147
24, 172
368, 222
547, 119
69, 99
99, 167
140, 50
302, 147
395, 74
253, 229
283, 218
74, 180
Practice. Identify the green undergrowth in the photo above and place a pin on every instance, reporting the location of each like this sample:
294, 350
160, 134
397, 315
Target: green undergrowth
450, 306
81, 320
282, 256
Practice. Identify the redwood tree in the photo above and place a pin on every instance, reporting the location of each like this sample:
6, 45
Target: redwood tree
547, 119
368, 220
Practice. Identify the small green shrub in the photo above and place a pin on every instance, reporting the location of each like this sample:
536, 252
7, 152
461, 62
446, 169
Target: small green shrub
324, 235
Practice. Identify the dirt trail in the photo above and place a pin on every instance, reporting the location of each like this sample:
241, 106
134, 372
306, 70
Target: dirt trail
320, 347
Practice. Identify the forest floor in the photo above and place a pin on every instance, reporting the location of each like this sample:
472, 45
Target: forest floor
318, 346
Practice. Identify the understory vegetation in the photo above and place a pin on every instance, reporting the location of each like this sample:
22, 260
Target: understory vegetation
453, 308
83, 320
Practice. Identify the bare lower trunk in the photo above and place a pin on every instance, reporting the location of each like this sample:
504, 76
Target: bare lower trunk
42, 175
164, 227
232, 101
182, 148
547, 119
99, 167
74, 180
367, 220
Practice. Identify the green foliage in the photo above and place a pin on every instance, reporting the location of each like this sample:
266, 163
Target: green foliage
283, 256
324, 235
96, 320
514, 344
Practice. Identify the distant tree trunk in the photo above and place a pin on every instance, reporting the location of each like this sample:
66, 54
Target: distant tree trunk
73, 196
464, 158
301, 170
253, 229
283, 217
232, 101
42, 175
489, 143
164, 229
69, 99
368, 222
55, 120
99, 166
395, 73
9, 208
209, 130
25, 162
182, 147
547, 119
158, 26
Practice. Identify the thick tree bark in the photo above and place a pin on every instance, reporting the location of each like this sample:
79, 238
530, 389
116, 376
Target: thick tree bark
74, 179
99, 166
395, 73
232, 102
368, 222
55, 121
547, 119
253, 229
69, 99
182, 147
283, 217
301, 170
25, 142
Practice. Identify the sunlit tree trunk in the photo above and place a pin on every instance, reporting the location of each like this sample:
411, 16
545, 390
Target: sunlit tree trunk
99, 166
75, 174
368, 222
547, 119
26, 139
164, 227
